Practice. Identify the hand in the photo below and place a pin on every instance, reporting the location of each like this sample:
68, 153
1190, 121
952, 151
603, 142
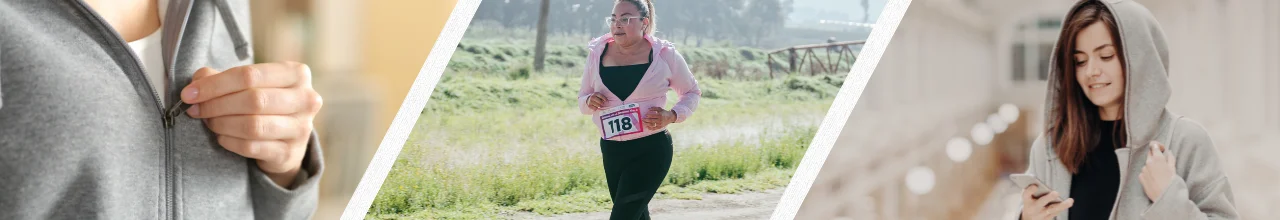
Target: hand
657, 118
1039, 208
260, 111
1158, 172
595, 102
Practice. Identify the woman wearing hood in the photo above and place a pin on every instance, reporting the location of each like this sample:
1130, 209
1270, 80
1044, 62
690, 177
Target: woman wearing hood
1110, 148
624, 87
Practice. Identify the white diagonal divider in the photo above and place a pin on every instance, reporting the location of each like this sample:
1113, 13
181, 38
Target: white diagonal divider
843, 105
409, 111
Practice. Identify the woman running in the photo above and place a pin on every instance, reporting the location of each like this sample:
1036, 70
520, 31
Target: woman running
624, 88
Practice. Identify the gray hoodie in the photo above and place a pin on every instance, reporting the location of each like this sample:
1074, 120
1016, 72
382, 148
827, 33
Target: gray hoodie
1200, 189
84, 136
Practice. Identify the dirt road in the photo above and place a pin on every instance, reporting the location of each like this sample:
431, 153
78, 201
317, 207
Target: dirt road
743, 206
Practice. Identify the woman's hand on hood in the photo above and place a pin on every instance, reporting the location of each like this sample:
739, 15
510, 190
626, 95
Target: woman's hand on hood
1158, 172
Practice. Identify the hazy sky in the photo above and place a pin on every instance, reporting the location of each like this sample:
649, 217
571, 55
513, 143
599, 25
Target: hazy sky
848, 10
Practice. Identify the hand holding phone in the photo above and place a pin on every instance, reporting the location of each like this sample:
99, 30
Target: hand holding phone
1038, 201
1026, 180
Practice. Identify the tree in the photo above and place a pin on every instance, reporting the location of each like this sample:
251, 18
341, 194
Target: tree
866, 11
540, 50
765, 18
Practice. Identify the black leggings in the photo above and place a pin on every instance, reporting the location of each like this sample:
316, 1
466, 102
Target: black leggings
634, 170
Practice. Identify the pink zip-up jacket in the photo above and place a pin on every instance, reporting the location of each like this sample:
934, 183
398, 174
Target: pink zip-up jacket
667, 71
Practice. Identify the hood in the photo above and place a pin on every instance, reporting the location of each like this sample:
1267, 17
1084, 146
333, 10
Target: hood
1146, 58
175, 15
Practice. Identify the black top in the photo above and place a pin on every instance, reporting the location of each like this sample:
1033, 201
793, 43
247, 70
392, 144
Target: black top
622, 80
1095, 186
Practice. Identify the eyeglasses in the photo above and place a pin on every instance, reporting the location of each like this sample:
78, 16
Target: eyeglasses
623, 21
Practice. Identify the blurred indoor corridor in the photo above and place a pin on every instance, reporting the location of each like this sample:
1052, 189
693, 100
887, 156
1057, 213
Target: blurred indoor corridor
364, 56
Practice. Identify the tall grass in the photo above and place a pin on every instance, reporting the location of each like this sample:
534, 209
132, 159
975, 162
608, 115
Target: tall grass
485, 146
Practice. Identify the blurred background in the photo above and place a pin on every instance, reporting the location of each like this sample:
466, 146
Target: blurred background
957, 99
364, 56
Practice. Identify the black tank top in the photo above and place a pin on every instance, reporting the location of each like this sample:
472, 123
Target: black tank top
1096, 182
622, 80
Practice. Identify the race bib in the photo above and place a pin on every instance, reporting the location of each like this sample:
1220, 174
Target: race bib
621, 120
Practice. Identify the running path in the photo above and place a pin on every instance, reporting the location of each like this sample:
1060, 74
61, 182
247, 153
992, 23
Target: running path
742, 206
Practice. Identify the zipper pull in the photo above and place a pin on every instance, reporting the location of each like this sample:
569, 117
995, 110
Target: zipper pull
174, 111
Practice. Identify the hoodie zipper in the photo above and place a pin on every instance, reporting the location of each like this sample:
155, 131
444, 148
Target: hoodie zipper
167, 117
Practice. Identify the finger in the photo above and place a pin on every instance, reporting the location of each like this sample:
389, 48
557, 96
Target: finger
651, 119
1152, 150
273, 152
1054, 209
598, 97
1158, 155
258, 127
256, 149
263, 75
1044, 200
267, 101
597, 102
202, 73
1028, 195
651, 116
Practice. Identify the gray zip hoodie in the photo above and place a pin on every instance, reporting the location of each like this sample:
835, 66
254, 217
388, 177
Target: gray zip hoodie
84, 136
1200, 189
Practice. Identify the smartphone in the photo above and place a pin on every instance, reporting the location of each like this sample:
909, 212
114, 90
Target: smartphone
1025, 180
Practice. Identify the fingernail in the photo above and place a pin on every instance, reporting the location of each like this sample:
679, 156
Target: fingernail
194, 111
190, 93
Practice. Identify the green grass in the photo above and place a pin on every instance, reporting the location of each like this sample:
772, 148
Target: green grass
508, 145
577, 185
498, 138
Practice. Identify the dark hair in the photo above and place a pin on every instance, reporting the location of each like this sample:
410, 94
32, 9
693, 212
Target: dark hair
646, 8
1075, 120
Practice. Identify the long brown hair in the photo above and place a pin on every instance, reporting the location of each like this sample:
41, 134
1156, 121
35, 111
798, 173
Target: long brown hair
1076, 123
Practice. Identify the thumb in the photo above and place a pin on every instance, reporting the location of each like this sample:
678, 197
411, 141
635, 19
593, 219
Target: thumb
1152, 149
